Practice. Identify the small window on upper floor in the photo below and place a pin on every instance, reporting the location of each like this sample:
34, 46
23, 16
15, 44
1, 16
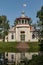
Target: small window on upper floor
12, 36
22, 21
33, 36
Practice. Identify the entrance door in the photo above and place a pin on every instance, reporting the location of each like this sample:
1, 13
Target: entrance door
22, 36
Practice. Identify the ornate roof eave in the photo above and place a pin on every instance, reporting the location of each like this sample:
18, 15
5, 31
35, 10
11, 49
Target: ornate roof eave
23, 18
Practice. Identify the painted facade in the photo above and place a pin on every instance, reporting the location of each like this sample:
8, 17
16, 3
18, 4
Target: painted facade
22, 31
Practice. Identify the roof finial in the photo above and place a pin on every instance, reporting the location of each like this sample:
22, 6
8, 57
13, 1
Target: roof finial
23, 13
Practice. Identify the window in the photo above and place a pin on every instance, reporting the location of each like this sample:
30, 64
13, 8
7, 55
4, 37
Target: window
12, 36
22, 36
33, 36
12, 56
22, 21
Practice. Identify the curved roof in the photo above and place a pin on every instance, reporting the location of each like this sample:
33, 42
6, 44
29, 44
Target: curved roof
23, 17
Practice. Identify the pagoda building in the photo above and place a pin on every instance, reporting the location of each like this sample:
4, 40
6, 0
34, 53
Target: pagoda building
22, 31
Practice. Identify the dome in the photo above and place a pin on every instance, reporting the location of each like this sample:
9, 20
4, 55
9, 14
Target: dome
22, 19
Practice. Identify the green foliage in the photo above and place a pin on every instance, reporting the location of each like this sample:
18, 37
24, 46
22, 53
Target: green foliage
41, 45
40, 13
40, 16
8, 46
4, 25
40, 23
36, 60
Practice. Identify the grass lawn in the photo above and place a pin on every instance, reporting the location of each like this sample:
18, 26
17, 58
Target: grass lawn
34, 46
11, 46
7, 46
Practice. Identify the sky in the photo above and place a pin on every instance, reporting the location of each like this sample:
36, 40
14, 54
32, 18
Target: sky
13, 8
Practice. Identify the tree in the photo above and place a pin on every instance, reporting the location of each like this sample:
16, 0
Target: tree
40, 24
4, 25
36, 60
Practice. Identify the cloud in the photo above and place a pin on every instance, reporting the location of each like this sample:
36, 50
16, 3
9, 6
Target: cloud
24, 4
